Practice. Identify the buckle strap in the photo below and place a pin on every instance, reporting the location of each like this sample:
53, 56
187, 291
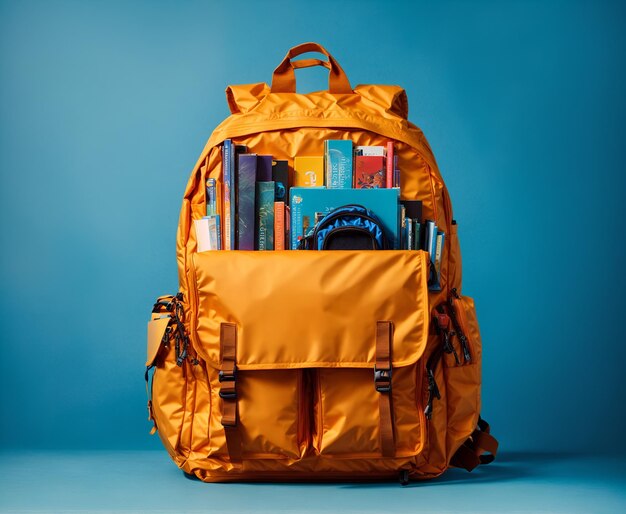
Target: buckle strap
382, 383
228, 390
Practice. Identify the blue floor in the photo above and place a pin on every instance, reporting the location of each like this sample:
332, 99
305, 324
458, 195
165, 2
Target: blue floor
150, 482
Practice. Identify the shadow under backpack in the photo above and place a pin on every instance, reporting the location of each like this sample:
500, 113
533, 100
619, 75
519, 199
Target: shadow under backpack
322, 364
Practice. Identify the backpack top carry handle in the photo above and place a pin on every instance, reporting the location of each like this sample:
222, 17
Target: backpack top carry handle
284, 78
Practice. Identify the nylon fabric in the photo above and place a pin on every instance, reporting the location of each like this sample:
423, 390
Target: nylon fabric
306, 404
310, 296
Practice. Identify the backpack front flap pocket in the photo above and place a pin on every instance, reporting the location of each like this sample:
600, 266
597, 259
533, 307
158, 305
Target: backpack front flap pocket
316, 351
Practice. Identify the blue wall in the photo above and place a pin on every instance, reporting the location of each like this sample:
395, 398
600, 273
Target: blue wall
104, 108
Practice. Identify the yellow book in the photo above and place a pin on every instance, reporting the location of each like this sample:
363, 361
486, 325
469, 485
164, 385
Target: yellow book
308, 171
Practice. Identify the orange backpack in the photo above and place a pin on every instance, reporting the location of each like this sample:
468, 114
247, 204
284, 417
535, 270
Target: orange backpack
305, 365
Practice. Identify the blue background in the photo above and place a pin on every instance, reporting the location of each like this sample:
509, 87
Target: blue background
105, 106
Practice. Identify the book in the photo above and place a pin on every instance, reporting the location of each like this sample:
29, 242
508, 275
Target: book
265, 215
369, 172
264, 168
227, 151
237, 150
287, 227
430, 236
375, 151
208, 233
403, 228
246, 192
307, 203
279, 225
211, 197
308, 171
396, 172
390, 169
439, 245
413, 209
409, 234
338, 163
417, 233
280, 176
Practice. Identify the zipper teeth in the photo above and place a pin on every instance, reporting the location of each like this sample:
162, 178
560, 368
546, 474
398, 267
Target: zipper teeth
194, 307
460, 312
420, 404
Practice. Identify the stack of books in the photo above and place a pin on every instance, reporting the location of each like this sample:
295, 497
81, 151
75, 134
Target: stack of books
264, 204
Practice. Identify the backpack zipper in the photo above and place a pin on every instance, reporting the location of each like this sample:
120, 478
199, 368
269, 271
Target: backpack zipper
458, 320
433, 388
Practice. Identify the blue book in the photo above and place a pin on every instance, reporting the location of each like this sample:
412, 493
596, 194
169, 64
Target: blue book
246, 191
338, 163
408, 234
309, 203
430, 239
211, 197
265, 215
218, 228
440, 240
229, 191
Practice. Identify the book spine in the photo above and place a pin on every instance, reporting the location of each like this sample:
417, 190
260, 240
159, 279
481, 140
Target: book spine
246, 191
409, 234
416, 234
280, 175
338, 164
211, 197
369, 172
211, 223
295, 224
226, 170
396, 172
439, 251
370, 151
218, 230
279, 225
390, 167
265, 215
287, 227
327, 166
440, 238
309, 171
433, 242
264, 168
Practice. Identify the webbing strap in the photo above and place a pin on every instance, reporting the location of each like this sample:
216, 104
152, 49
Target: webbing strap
228, 390
382, 382
480, 448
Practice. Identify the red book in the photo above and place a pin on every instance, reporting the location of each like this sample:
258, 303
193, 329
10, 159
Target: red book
389, 174
279, 225
369, 172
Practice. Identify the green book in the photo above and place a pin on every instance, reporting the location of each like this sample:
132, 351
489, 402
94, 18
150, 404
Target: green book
265, 194
416, 235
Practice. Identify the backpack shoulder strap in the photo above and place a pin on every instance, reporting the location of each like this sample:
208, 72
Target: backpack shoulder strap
479, 448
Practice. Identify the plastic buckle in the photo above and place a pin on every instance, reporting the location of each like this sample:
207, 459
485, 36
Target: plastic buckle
228, 395
228, 377
382, 379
